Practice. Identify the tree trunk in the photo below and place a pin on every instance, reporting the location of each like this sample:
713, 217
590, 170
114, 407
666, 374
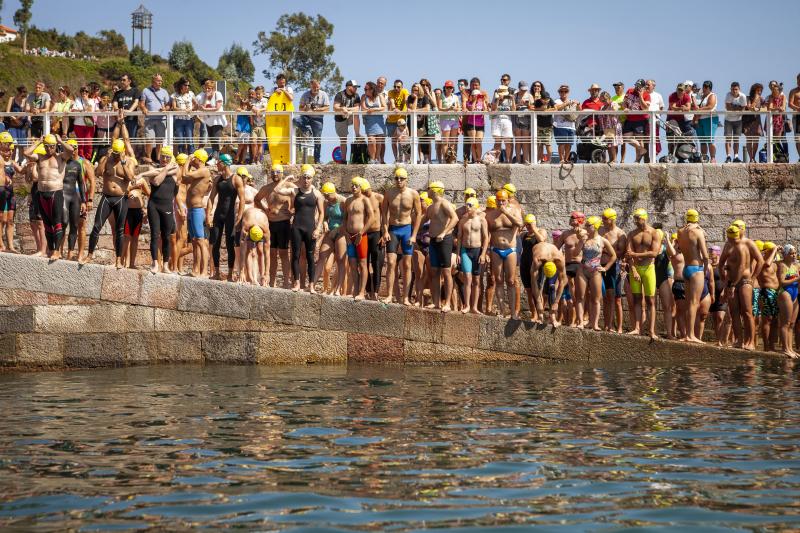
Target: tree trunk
25, 42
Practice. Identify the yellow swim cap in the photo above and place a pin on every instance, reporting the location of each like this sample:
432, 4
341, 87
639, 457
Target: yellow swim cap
491, 202
365, 184
739, 223
400, 173
549, 269
167, 150
39, 150
201, 154
530, 218
6, 137
428, 202
674, 235
181, 158
277, 167
692, 216
50, 139
243, 172
437, 187
356, 181
256, 233
118, 146
423, 195
594, 221
72, 142
640, 213
769, 245
328, 188
469, 191
510, 188
732, 231
473, 202
308, 170
760, 245
610, 214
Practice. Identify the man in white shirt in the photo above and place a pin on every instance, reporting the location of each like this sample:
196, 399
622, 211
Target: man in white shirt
656, 104
735, 100
315, 99
281, 87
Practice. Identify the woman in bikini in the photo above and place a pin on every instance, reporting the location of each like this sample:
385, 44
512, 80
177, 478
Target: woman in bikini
592, 269
787, 298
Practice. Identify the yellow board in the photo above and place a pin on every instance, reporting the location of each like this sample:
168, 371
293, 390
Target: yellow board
278, 128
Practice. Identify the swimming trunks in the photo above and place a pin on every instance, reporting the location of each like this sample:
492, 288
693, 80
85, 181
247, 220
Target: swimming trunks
612, 280
470, 261
679, 289
8, 202
357, 251
503, 253
647, 284
133, 222
441, 252
196, 222
768, 305
691, 270
572, 268
400, 236
280, 233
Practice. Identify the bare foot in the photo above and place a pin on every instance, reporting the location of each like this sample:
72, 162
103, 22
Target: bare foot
579, 326
38, 254
12, 250
358, 297
465, 310
55, 256
216, 276
748, 347
633, 332
791, 355
387, 300
597, 328
694, 339
407, 302
312, 290
85, 260
154, 269
445, 309
514, 316
429, 306
653, 336
296, 287
202, 276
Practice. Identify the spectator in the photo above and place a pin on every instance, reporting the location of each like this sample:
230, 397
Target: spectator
60, 125
373, 105
707, 124
259, 134
380, 85
418, 101
537, 89
431, 122
656, 104
37, 104
127, 99
735, 101
502, 127
564, 124
437, 95
449, 102
397, 101
314, 100
505, 79
634, 130
523, 101
593, 103
18, 126
776, 103
402, 139
183, 100
153, 101
345, 104
544, 127
463, 95
104, 125
210, 100
751, 122
281, 87
618, 99
680, 101
794, 105
244, 127
477, 101
84, 124
610, 126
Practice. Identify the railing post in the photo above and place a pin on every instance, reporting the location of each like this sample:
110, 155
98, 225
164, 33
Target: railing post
46, 123
770, 154
534, 138
292, 145
414, 139
652, 134
170, 136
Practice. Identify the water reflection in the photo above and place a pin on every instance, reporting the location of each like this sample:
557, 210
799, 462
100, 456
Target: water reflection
375, 447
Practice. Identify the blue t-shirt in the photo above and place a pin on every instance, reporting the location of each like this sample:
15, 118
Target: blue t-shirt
243, 124
154, 100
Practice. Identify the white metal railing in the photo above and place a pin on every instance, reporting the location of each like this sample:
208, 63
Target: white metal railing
652, 136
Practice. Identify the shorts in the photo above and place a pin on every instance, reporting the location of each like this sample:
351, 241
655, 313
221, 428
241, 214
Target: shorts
636, 127
612, 280
564, 136
357, 251
390, 128
502, 127
447, 124
33, 207
647, 284
472, 127
768, 303
679, 289
572, 269
280, 233
400, 236
133, 222
544, 134
733, 129
470, 261
374, 126
8, 201
441, 252
717, 306
707, 129
258, 133
342, 127
155, 129
196, 222
244, 136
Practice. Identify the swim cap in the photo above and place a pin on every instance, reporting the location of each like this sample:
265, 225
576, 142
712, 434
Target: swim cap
491, 202
473, 202
578, 216
640, 213
242, 171
277, 167
610, 214
118, 146
732, 231
788, 248
50, 139
201, 154
167, 150
357, 181
501, 195
716, 249
328, 188
692, 216
423, 195
181, 158
365, 184
400, 173
530, 218
225, 159
39, 150
674, 236
72, 142
769, 245
256, 233
510, 188
308, 170
6, 137
739, 223
469, 191
594, 221
549, 269
660, 233
760, 245
437, 187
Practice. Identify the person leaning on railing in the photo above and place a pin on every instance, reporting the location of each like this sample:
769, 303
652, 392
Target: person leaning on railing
183, 99
313, 100
707, 123
751, 122
127, 99
735, 101
154, 100
211, 100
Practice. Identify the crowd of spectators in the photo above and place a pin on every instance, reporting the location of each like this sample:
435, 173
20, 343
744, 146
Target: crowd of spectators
43, 51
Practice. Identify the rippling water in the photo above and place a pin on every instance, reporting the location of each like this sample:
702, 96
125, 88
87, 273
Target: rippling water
362, 448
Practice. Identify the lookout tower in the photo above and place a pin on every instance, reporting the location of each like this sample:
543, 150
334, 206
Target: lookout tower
142, 20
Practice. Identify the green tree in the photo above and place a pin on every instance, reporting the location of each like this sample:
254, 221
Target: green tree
22, 18
182, 56
140, 58
235, 64
298, 47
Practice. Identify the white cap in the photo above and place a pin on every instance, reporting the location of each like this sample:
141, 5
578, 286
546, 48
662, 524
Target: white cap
688, 83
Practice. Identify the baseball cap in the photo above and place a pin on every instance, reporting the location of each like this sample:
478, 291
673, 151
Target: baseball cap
449, 83
618, 84
352, 83
523, 85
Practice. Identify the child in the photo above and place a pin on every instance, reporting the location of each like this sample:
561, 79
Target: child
403, 139
244, 127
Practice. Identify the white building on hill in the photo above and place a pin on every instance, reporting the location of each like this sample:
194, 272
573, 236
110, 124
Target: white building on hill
7, 34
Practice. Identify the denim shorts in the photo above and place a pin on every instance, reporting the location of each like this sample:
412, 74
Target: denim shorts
564, 136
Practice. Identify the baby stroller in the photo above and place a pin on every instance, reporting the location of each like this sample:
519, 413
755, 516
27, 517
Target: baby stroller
591, 148
682, 147
305, 144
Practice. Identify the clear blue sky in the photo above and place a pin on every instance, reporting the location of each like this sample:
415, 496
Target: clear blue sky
578, 42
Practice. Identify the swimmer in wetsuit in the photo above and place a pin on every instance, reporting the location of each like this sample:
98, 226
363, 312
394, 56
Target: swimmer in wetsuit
78, 194
225, 215
787, 298
376, 248
163, 185
530, 237
8, 202
401, 216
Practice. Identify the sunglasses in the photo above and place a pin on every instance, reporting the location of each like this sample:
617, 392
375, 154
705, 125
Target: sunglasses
398, 178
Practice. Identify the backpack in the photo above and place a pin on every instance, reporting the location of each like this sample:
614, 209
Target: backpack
358, 153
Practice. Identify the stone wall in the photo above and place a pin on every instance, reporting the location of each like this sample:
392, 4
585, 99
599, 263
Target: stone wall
63, 315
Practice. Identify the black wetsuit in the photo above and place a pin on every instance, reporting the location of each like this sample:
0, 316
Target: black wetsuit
110, 204
74, 196
224, 221
51, 208
161, 216
529, 240
375, 259
718, 290
305, 212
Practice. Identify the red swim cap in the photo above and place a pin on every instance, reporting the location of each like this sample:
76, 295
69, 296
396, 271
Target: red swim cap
578, 216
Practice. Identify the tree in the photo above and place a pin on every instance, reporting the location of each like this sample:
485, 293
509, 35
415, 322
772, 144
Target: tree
140, 58
298, 47
182, 56
235, 64
22, 18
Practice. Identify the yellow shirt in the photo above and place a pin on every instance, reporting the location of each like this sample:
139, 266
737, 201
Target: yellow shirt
400, 99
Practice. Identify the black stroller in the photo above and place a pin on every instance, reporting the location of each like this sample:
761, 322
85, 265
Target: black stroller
682, 147
591, 148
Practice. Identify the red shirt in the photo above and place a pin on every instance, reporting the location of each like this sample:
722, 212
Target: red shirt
633, 102
679, 101
590, 104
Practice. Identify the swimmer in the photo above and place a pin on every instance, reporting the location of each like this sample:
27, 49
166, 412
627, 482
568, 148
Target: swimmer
594, 249
570, 242
768, 296
376, 248
163, 186
531, 236
225, 214
644, 243
473, 241
254, 238
334, 244
504, 224
401, 216
665, 275
612, 278
443, 219
692, 241
180, 237
741, 261
279, 211
78, 194
249, 198
677, 262
8, 202
555, 278
787, 298
197, 178
357, 214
